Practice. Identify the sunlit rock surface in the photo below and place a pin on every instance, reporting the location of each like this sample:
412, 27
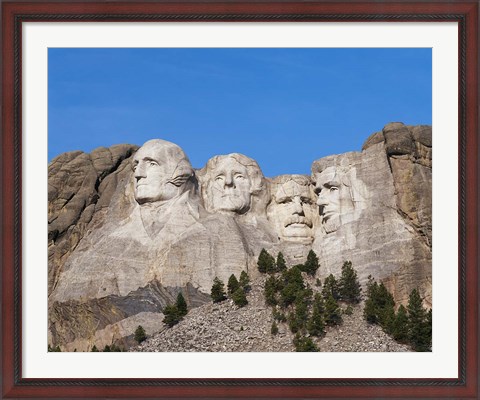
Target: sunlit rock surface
130, 228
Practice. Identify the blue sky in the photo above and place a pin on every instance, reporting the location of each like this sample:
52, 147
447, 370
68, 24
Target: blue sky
283, 107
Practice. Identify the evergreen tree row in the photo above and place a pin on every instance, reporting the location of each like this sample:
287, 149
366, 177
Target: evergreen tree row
236, 289
294, 302
411, 325
174, 313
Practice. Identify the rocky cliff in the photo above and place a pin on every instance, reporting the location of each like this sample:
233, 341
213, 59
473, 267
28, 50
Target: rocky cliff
129, 228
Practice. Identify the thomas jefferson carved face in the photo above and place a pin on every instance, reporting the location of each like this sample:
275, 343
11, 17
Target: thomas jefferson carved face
162, 171
229, 182
292, 208
230, 188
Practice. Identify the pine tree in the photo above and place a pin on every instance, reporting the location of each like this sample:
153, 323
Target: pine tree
333, 314
218, 291
330, 286
385, 306
370, 309
266, 263
293, 322
245, 281
232, 284
274, 328
281, 265
171, 315
316, 323
140, 334
239, 298
292, 285
419, 332
303, 344
94, 349
107, 349
270, 290
311, 265
400, 326
348, 285
181, 305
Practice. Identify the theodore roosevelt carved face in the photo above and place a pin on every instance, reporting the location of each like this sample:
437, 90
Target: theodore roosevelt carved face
292, 207
162, 171
229, 182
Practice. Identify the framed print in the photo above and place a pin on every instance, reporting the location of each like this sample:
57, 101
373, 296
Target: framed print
157, 249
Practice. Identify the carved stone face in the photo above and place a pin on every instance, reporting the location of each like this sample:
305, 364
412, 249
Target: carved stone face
161, 171
292, 209
334, 197
230, 187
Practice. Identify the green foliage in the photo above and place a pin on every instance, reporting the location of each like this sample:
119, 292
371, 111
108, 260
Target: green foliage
348, 285
140, 334
419, 323
107, 349
311, 265
245, 281
333, 314
304, 344
172, 316
385, 308
370, 309
218, 291
379, 306
400, 326
239, 298
274, 328
281, 265
115, 348
94, 349
279, 316
318, 283
293, 322
181, 305
316, 323
292, 285
270, 290
266, 263
232, 284
55, 349
412, 325
348, 310
330, 287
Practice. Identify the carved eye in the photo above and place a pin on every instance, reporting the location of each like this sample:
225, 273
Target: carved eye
219, 178
239, 176
306, 200
134, 165
333, 188
152, 163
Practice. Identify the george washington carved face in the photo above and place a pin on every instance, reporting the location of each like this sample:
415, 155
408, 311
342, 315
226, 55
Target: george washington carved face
162, 171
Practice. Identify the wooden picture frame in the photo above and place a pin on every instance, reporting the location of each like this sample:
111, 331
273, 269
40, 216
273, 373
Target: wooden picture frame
14, 13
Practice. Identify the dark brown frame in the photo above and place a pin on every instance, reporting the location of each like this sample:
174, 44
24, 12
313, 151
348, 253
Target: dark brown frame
463, 12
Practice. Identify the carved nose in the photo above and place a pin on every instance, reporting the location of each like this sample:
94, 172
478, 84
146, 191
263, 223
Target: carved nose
140, 172
297, 207
322, 202
229, 181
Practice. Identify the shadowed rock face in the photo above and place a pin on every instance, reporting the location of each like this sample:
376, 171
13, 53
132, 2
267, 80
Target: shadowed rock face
129, 229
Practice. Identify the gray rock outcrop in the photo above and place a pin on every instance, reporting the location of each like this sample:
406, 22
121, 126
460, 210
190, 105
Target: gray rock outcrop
130, 228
